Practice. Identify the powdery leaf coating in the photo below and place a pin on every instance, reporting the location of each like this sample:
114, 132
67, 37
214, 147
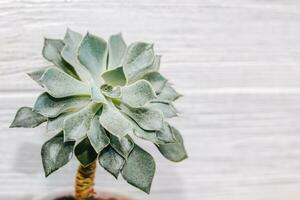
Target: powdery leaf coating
77, 124
55, 125
174, 151
138, 60
52, 52
114, 122
56, 153
114, 77
147, 118
36, 75
139, 169
117, 49
97, 135
156, 80
26, 118
60, 84
168, 93
92, 54
122, 145
166, 108
110, 160
52, 107
138, 93
69, 53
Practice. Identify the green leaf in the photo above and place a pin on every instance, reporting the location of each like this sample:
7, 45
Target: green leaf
174, 151
97, 135
51, 52
156, 80
92, 54
114, 77
166, 135
60, 84
117, 49
147, 118
55, 125
72, 40
52, 107
141, 133
97, 96
168, 93
139, 169
156, 64
123, 145
85, 153
138, 93
111, 161
77, 124
165, 107
109, 91
138, 60
114, 122
56, 153
36, 75
26, 118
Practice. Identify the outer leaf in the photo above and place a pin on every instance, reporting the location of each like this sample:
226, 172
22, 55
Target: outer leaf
52, 107
110, 160
174, 151
117, 49
77, 124
72, 40
138, 60
166, 108
60, 84
147, 118
139, 169
141, 133
36, 75
27, 118
168, 93
51, 52
114, 77
114, 122
137, 94
166, 135
156, 63
157, 81
97, 135
122, 145
56, 153
92, 53
55, 125
85, 153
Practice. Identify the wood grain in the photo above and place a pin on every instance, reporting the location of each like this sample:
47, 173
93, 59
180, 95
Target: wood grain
237, 63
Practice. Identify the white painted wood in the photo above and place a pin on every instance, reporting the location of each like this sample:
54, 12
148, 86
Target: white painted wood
237, 63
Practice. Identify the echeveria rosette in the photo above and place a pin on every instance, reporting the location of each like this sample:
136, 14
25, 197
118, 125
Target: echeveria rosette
98, 97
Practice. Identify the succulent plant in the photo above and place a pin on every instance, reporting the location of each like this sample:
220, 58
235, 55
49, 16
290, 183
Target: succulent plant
100, 97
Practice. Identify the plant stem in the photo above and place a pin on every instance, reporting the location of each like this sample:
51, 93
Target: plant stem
85, 182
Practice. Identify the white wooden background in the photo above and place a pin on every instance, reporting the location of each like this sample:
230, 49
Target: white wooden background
236, 61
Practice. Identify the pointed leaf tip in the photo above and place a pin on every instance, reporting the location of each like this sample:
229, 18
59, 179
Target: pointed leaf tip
174, 151
111, 161
139, 169
26, 118
56, 153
